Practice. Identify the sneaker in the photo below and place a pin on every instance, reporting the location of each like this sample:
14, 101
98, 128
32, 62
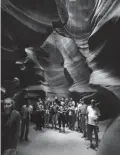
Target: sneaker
59, 130
26, 139
21, 139
91, 146
96, 147
83, 136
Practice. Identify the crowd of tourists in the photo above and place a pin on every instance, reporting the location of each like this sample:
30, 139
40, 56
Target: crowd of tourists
49, 113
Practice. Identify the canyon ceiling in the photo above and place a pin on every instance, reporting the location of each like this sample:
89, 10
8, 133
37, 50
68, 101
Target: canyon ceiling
63, 46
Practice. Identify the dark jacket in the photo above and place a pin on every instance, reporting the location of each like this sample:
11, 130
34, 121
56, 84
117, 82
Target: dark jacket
10, 130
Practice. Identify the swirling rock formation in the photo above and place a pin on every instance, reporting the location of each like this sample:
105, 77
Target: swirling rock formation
92, 31
53, 68
74, 62
104, 46
92, 26
25, 24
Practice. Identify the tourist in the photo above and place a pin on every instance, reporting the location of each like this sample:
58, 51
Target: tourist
10, 126
71, 116
42, 110
93, 114
38, 117
83, 109
79, 115
77, 111
61, 117
26, 116
54, 110
47, 113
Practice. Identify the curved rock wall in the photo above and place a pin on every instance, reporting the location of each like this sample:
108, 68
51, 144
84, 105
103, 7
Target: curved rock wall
94, 26
92, 35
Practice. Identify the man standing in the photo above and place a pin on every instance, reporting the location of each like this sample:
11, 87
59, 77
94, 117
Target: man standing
38, 117
26, 111
54, 114
61, 117
93, 114
47, 113
71, 113
10, 126
78, 115
83, 109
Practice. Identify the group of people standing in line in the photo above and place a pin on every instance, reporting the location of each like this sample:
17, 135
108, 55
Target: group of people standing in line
54, 114
65, 113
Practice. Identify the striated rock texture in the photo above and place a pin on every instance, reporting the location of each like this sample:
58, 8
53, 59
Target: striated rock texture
75, 64
25, 24
87, 34
53, 68
94, 26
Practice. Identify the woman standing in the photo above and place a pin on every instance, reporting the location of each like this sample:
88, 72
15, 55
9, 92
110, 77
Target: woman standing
61, 117
47, 115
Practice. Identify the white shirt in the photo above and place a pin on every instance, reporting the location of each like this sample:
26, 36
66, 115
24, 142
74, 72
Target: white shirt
73, 103
93, 114
26, 111
79, 105
29, 108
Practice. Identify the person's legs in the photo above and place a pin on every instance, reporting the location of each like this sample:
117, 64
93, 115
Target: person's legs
53, 121
54, 117
83, 127
73, 122
22, 129
40, 122
90, 130
59, 122
37, 115
96, 135
47, 120
27, 129
63, 123
86, 126
67, 120
37, 123
42, 119
80, 124
70, 122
